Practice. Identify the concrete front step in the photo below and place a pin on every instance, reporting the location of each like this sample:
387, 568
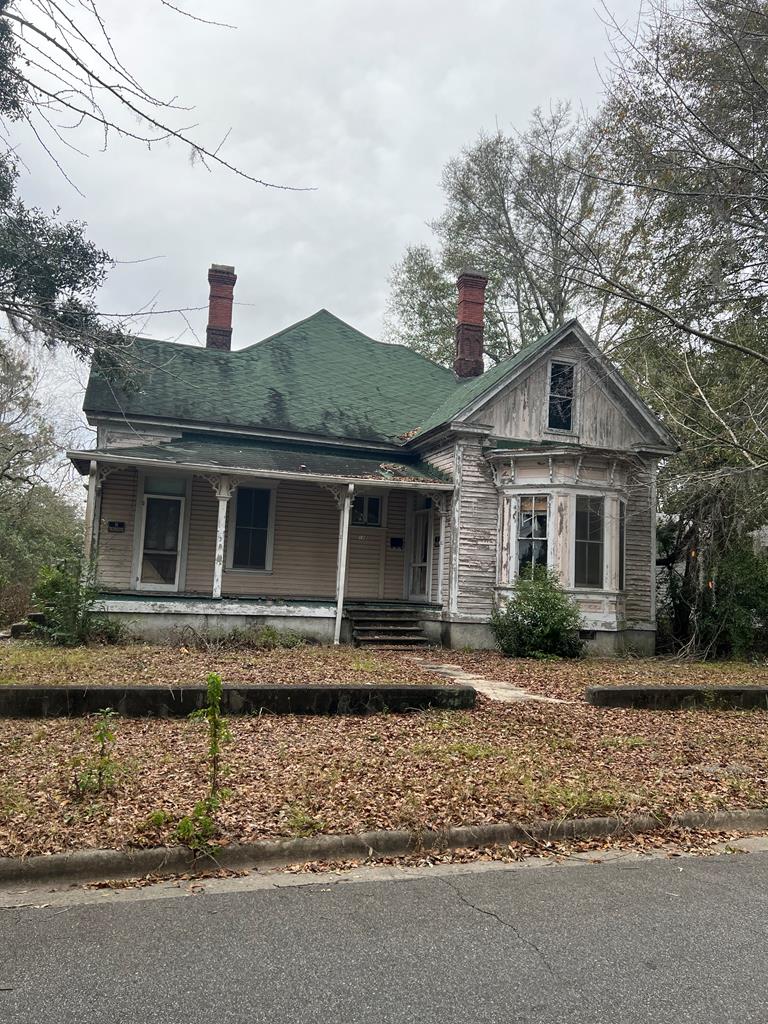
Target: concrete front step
386, 617
393, 640
387, 627
397, 626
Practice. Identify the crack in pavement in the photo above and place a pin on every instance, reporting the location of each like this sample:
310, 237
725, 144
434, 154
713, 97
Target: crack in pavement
506, 924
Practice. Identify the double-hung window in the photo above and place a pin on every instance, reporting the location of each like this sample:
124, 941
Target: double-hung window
251, 544
589, 541
532, 533
561, 394
366, 510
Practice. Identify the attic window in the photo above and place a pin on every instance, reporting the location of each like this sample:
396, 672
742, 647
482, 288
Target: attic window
561, 377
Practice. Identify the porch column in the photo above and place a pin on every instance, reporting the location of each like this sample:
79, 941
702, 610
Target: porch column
345, 505
611, 542
90, 511
224, 488
441, 503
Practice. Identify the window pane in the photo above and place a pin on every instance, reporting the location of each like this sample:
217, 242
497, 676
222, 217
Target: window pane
358, 511
154, 484
249, 550
532, 532
561, 396
161, 531
589, 518
582, 531
252, 507
524, 554
589, 541
258, 549
560, 413
158, 568
561, 380
373, 518
594, 565
242, 548
596, 519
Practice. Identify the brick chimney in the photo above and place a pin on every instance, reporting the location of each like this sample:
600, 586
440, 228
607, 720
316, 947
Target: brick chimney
469, 324
218, 333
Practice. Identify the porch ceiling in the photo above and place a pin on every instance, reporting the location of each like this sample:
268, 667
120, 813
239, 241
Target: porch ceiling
271, 459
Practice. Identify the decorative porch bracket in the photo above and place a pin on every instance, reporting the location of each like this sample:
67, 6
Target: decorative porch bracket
224, 488
343, 496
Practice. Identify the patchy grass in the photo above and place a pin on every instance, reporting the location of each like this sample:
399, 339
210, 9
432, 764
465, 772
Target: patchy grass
291, 775
569, 679
30, 664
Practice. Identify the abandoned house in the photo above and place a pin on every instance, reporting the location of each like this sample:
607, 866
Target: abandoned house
353, 490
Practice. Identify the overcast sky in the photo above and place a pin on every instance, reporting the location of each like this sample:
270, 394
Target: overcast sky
363, 101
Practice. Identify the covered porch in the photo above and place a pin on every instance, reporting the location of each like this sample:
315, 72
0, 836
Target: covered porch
191, 530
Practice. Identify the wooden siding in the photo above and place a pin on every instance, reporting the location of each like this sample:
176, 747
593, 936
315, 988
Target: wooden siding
305, 548
114, 566
478, 525
443, 458
365, 562
394, 558
640, 565
201, 538
602, 417
305, 545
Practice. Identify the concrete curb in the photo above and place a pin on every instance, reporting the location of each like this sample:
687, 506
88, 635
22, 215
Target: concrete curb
180, 701
653, 697
95, 865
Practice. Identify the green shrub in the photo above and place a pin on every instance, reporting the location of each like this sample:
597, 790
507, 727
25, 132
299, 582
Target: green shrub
197, 830
269, 638
539, 621
735, 612
265, 638
65, 594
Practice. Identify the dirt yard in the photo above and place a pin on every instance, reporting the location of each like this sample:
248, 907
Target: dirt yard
293, 776
29, 663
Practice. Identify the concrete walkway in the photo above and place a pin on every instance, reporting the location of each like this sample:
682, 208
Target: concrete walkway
496, 689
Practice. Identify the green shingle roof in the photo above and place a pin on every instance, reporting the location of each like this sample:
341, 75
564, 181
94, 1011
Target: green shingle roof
239, 454
319, 377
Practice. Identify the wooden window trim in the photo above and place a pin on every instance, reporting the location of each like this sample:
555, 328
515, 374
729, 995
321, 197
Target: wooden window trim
231, 525
603, 543
574, 428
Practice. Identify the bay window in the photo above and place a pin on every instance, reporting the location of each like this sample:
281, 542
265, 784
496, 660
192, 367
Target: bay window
532, 533
589, 541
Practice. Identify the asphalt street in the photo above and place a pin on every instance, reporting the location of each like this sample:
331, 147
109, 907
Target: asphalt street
651, 941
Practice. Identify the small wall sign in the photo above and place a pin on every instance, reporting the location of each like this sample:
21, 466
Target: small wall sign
116, 526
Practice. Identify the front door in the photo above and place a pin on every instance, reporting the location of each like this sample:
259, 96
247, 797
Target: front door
163, 516
420, 555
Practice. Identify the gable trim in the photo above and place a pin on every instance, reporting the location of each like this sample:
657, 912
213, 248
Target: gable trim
574, 327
